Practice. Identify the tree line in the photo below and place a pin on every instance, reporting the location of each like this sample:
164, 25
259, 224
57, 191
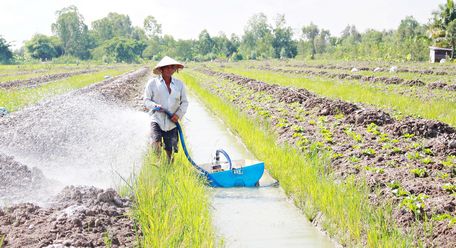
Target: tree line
114, 39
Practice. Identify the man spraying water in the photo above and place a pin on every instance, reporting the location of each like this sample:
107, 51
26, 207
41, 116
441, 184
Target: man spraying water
165, 93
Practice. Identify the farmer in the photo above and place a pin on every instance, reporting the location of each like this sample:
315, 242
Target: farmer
165, 92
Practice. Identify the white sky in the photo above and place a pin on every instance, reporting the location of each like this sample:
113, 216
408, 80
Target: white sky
185, 19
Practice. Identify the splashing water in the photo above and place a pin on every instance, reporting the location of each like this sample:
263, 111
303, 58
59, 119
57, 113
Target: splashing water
76, 139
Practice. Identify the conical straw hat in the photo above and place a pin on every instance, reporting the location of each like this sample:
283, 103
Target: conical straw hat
166, 61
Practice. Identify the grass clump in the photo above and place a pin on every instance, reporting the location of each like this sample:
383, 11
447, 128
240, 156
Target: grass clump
172, 205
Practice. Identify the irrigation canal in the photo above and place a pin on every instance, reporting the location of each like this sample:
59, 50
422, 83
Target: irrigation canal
246, 217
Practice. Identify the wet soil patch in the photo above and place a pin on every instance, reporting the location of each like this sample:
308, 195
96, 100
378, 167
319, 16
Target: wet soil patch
79, 217
18, 181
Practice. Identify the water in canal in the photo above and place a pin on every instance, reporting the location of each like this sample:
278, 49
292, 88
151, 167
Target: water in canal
246, 217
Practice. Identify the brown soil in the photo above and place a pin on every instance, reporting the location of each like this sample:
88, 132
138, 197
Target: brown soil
78, 217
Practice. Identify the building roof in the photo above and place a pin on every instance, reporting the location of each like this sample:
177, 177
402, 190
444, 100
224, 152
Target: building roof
440, 48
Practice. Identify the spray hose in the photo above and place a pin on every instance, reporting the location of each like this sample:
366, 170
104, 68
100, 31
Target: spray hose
184, 147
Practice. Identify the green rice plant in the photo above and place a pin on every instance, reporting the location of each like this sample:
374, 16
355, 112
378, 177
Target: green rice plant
449, 187
354, 159
172, 204
375, 169
387, 146
408, 135
427, 160
442, 217
442, 110
283, 123
336, 155
415, 204
428, 151
419, 172
369, 152
355, 136
442, 175
392, 163
413, 155
450, 161
327, 135
107, 239
373, 129
302, 143
297, 129
322, 119
14, 99
356, 146
397, 189
305, 177
384, 137
397, 150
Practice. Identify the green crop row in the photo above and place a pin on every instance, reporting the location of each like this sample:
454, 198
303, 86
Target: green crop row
441, 110
344, 204
172, 205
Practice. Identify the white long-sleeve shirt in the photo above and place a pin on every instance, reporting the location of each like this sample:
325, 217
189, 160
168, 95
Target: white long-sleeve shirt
156, 93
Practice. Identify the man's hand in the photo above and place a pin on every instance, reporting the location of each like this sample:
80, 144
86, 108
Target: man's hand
174, 118
158, 108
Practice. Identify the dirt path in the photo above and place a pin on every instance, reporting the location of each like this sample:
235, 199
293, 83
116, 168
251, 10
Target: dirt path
79, 216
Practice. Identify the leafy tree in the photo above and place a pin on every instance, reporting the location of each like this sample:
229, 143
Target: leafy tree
309, 33
5, 53
350, 34
451, 34
257, 39
152, 27
73, 33
233, 45
220, 45
44, 47
409, 28
205, 43
184, 49
322, 41
113, 25
121, 49
153, 49
441, 20
283, 44
138, 34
